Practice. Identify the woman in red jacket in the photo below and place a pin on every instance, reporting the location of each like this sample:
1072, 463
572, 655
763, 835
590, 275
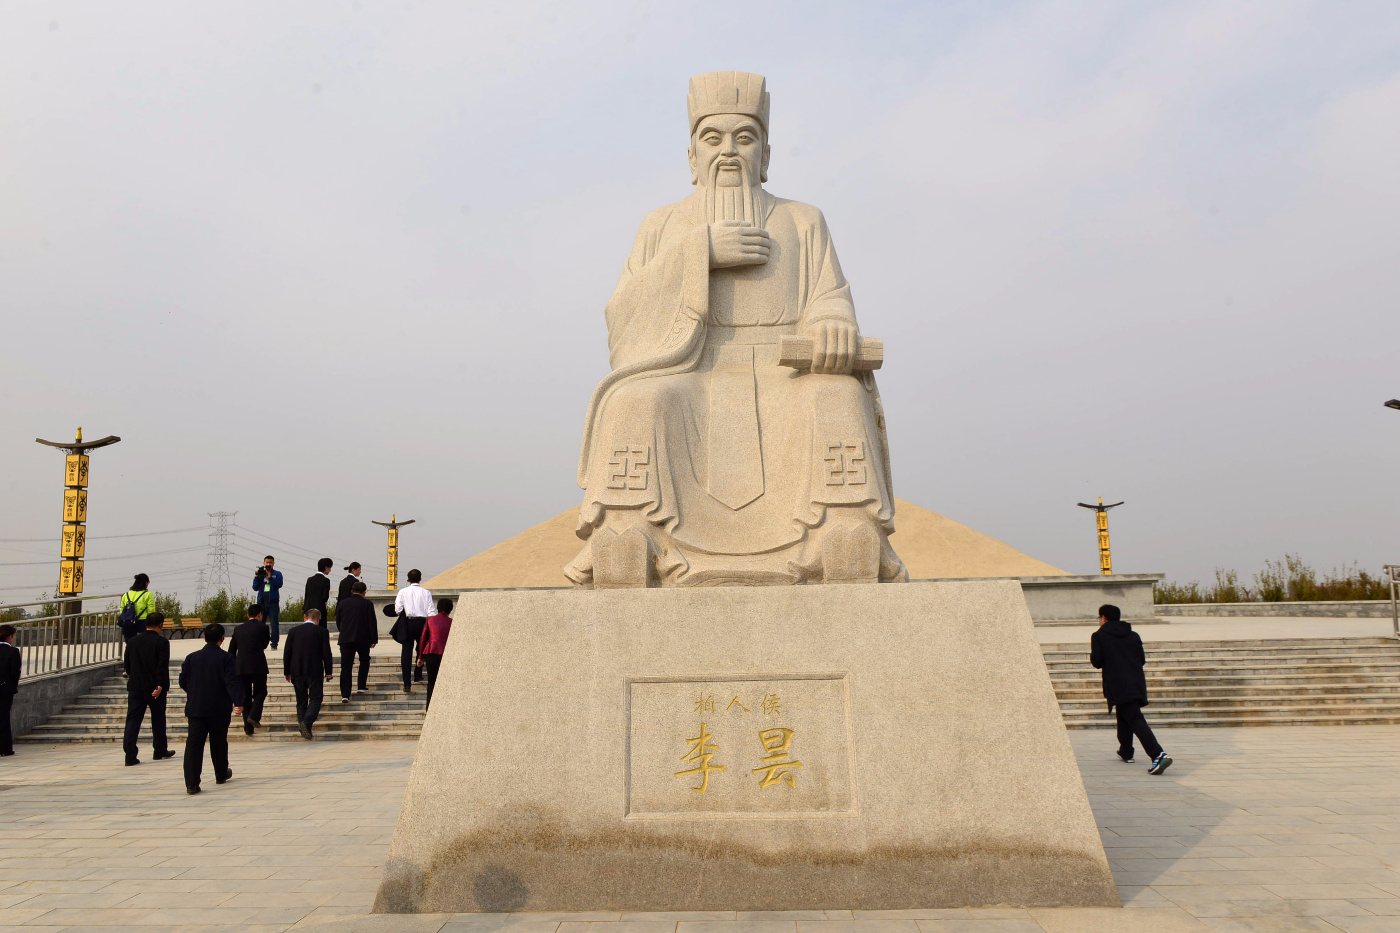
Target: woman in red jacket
432, 642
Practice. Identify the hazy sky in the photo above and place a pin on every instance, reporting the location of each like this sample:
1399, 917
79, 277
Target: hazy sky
322, 262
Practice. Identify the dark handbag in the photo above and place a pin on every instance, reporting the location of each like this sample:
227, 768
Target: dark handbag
399, 632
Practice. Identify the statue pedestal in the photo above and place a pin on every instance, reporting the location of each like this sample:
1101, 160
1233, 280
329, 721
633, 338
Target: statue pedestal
862, 746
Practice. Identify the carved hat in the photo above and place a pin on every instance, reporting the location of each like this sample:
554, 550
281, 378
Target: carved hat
728, 92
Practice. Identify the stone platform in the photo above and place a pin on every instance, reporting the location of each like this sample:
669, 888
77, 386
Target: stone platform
776, 748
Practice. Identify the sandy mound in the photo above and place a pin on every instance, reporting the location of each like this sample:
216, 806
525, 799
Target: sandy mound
930, 544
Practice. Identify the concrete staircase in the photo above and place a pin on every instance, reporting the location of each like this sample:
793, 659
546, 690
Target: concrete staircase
383, 712
1316, 681
1332, 681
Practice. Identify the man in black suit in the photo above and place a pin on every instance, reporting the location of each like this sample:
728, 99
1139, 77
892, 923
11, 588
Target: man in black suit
359, 632
318, 589
212, 695
10, 669
147, 666
248, 648
306, 659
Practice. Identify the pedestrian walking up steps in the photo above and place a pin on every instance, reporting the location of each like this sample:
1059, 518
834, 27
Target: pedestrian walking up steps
384, 712
1318, 681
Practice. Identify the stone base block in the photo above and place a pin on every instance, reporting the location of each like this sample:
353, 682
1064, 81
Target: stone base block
858, 746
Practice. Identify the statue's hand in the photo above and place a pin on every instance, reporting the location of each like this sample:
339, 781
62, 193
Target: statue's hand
737, 245
834, 345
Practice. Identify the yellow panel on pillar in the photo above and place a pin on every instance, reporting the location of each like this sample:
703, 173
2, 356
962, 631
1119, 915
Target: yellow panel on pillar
76, 470
70, 577
74, 541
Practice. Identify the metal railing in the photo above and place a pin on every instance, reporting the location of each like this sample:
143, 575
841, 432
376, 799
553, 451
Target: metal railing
70, 638
1394, 571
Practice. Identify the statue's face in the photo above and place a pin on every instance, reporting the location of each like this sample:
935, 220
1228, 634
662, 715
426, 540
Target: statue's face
724, 142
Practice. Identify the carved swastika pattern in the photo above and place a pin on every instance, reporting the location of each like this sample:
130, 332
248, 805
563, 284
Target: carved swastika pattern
629, 467
845, 463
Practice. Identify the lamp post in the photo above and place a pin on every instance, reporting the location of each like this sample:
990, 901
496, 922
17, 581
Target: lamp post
74, 541
393, 524
1101, 519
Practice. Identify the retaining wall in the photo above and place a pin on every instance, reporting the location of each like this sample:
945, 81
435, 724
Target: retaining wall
1341, 609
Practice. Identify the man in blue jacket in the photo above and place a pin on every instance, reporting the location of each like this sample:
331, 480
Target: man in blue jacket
213, 695
268, 585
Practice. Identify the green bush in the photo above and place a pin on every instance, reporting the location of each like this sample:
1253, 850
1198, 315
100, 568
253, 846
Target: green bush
168, 605
224, 609
1288, 580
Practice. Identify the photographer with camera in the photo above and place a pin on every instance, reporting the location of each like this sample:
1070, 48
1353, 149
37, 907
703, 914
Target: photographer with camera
267, 583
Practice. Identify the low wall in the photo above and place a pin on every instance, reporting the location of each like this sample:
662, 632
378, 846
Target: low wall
1062, 600
43, 696
1340, 609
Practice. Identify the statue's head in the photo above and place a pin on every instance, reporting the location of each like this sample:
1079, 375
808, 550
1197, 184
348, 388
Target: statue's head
728, 129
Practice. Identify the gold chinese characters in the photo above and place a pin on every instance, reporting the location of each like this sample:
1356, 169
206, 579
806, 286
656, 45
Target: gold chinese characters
701, 751
776, 764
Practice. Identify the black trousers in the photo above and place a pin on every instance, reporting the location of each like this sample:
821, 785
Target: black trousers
7, 734
136, 706
215, 729
347, 664
1131, 723
310, 692
413, 628
432, 662
254, 695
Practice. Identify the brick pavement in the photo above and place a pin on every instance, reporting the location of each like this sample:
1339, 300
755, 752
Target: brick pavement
1266, 829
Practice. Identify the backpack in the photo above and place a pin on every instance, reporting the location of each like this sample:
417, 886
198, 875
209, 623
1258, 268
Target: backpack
126, 619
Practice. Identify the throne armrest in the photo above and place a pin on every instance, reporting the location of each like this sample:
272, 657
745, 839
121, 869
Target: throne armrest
796, 351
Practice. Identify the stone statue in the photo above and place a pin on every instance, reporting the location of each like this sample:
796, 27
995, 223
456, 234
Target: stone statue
739, 439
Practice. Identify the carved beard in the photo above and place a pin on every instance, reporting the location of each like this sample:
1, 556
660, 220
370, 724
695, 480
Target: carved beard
732, 205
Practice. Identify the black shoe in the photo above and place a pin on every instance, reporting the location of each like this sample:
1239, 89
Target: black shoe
1159, 764
304, 729
309, 732
164, 755
132, 761
247, 727
224, 778
1128, 759
191, 790
6, 754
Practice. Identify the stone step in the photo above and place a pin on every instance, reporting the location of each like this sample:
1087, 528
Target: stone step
1278, 691
1161, 702
1368, 719
234, 735
1170, 716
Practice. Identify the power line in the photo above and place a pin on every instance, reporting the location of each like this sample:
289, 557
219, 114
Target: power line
295, 547
138, 534
91, 560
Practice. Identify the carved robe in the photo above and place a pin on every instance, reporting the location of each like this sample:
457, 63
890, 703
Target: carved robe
732, 459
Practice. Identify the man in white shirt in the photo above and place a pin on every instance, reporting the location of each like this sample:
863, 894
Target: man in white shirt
413, 605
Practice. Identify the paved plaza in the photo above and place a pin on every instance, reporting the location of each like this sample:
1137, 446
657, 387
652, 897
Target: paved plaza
1280, 828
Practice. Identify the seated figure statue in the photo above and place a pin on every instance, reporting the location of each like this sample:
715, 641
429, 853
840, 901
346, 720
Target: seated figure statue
705, 461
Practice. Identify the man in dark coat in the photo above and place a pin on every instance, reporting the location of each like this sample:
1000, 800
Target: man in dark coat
1116, 650
359, 632
213, 694
147, 666
318, 590
306, 659
11, 666
248, 648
